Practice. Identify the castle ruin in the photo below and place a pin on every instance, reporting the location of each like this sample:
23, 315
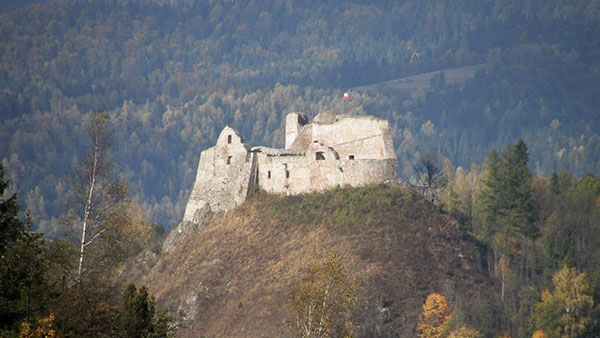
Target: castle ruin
328, 152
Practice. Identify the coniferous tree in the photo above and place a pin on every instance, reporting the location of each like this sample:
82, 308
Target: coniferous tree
517, 198
10, 225
506, 198
138, 317
23, 266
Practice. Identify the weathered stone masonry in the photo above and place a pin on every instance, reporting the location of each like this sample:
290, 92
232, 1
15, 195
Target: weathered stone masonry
330, 151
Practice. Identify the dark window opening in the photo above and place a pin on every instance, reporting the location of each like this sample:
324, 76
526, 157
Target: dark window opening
229, 139
320, 156
351, 157
269, 174
228, 159
287, 174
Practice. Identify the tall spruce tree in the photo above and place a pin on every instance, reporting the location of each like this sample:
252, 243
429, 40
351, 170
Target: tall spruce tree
138, 316
23, 267
506, 197
10, 225
517, 197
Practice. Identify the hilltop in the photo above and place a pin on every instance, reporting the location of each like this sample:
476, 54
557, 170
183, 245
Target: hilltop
172, 74
233, 278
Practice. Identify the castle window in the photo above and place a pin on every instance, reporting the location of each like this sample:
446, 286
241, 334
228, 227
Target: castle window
320, 156
269, 174
351, 157
287, 174
229, 139
228, 159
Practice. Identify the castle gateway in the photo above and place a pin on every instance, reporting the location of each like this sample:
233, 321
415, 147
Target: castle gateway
328, 152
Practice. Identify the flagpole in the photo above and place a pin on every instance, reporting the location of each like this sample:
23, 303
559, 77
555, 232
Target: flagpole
345, 99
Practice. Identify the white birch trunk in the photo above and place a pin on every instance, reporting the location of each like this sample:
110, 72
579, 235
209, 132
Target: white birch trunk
88, 208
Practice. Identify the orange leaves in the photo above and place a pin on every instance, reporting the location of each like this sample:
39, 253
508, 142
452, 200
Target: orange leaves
436, 315
43, 329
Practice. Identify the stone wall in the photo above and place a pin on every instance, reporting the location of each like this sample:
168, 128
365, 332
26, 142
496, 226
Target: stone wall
224, 175
331, 151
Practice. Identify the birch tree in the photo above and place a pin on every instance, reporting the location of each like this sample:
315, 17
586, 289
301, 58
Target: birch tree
97, 195
322, 303
570, 311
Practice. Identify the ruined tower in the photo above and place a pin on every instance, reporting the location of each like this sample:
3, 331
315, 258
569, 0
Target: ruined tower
330, 151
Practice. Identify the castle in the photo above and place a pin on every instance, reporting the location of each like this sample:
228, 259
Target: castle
329, 151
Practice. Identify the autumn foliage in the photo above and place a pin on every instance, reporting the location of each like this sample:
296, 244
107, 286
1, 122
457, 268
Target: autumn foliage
436, 315
322, 303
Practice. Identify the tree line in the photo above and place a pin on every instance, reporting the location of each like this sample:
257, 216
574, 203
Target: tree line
535, 233
172, 75
68, 287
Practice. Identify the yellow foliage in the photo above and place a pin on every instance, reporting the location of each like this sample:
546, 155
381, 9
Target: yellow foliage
465, 332
435, 316
570, 310
322, 304
44, 329
539, 334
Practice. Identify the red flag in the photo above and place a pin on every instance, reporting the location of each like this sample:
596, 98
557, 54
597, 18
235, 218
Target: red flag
345, 96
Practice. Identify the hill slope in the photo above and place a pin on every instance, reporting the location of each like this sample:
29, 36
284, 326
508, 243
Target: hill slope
233, 279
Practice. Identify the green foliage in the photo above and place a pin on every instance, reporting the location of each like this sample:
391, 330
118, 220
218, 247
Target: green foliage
138, 317
10, 225
506, 202
344, 207
506, 192
459, 197
38, 298
532, 227
24, 290
570, 310
173, 74
167, 73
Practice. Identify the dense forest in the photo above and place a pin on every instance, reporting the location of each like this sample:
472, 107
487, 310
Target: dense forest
172, 74
500, 96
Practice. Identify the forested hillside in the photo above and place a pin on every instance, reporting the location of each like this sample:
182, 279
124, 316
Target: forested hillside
172, 74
